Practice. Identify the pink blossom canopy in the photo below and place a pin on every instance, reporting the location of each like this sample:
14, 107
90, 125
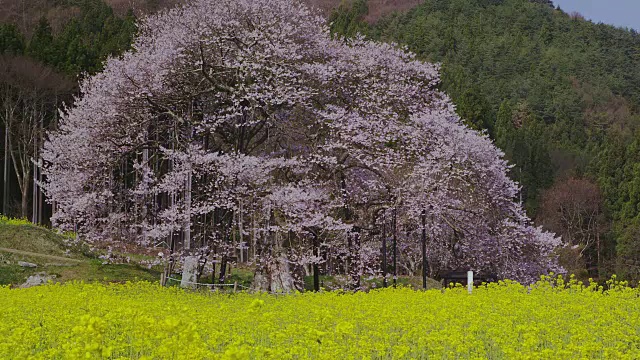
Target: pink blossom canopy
245, 119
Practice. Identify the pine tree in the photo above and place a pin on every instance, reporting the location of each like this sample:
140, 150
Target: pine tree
41, 43
11, 40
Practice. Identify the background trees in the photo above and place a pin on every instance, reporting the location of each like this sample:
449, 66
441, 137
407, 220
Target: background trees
574, 210
39, 72
30, 95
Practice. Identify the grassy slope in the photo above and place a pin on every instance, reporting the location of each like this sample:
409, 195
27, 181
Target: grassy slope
21, 236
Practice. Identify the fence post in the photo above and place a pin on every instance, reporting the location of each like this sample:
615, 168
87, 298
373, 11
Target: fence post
235, 286
470, 281
424, 249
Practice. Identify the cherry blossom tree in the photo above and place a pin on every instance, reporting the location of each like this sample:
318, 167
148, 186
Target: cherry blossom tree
243, 124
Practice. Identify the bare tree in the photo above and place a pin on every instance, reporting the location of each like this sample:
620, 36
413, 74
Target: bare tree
30, 93
573, 209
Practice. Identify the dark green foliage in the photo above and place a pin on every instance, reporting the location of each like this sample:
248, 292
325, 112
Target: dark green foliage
349, 20
41, 46
81, 45
560, 95
628, 250
85, 42
472, 105
11, 40
13, 274
522, 137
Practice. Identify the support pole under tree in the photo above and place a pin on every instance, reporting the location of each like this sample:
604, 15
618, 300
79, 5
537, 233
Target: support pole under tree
5, 184
191, 262
384, 249
34, 193
40, 164
316, 271
395, 249
424, 249
357, 263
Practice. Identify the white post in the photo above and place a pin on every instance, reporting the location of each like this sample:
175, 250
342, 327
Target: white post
187, 208
470, 281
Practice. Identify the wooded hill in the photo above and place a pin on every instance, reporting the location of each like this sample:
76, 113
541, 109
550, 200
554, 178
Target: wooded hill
560, 95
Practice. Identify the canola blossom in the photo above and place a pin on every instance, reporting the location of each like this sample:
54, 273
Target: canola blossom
549, 320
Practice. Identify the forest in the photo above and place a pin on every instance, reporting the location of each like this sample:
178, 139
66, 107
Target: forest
558, 94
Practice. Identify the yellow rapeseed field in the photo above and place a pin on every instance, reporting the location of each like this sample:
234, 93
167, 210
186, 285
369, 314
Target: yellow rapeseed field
551, 320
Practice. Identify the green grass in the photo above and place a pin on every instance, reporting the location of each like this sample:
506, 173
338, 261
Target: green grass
22, 235
242, 275
13, 274
19, 234
94, 270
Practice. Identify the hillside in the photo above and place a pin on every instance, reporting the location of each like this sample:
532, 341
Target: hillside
75, 36
26, 14
56, 257
560, 95
375, 8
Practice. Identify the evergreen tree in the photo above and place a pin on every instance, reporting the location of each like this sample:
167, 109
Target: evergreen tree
11, 40
348, 20
41, 43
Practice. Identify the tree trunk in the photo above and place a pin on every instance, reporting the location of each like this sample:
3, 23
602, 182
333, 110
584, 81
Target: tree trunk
275, 277
240, 230
355, 262
190, 268
384, 251
25, 198
227, 241
316, 270
5, 184
223, 269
